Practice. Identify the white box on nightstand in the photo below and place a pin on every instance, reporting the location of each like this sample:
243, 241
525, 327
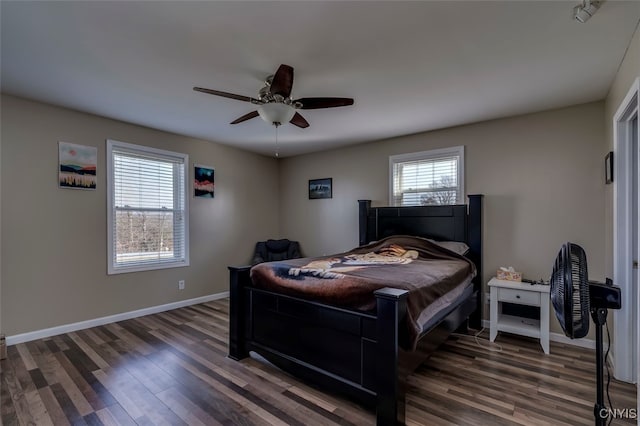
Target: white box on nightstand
523, 294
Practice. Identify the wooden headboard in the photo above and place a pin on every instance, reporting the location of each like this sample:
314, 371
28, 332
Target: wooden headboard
460, 222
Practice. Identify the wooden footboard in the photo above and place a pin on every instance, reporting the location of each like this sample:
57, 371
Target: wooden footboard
349, 352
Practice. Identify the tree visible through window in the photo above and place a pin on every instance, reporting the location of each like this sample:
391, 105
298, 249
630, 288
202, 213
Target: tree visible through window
427, 178
147, 210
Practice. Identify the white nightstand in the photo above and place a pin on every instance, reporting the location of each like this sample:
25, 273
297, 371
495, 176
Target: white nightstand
523, 294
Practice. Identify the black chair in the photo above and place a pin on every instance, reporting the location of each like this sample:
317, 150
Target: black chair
274, 250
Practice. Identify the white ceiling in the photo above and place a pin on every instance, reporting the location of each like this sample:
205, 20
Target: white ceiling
411, 66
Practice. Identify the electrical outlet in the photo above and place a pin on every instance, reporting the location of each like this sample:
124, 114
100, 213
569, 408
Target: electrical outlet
181, 285
487, 297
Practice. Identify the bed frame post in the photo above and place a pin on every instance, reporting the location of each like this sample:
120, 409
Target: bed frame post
475, 244
389, 385
238, 311
363, 216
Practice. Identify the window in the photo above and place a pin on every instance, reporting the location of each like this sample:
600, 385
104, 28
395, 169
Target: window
148, 216
428, 177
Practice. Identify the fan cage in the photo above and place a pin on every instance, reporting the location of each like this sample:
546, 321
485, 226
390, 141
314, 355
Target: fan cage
570, 290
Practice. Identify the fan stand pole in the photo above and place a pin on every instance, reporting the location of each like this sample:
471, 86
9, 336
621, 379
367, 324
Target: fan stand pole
600, 411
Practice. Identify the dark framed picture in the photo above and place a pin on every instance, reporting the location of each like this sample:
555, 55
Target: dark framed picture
203, 181
608, 168
320, 188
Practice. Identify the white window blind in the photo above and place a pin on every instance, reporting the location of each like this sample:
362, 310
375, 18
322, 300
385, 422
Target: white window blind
147, 208
427, 178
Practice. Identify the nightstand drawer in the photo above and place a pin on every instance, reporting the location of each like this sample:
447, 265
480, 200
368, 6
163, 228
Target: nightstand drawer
519, 296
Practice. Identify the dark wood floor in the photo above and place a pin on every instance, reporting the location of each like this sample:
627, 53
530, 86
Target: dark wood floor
171, 368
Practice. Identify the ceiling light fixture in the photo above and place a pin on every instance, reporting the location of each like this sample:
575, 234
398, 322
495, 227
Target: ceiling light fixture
276, 113
584, 12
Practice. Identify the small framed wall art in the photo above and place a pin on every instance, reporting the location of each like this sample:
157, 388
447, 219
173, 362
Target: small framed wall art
77, 166
320, 188
203, 181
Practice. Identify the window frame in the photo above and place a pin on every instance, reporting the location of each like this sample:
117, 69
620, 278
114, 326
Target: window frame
432, 154
112, 268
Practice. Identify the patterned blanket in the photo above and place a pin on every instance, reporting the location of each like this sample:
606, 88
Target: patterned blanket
349, 279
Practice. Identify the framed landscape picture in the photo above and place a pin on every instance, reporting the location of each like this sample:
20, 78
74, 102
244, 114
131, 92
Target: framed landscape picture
77, 166
320, 188
203, 181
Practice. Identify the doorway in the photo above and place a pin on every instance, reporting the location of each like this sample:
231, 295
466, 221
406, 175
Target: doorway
626, 238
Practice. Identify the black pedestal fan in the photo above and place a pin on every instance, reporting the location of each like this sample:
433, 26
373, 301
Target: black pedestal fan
573, 296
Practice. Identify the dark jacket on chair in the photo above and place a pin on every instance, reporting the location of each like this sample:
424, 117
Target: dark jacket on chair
273, 250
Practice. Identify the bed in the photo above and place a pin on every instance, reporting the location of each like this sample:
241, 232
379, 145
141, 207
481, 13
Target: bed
365, 354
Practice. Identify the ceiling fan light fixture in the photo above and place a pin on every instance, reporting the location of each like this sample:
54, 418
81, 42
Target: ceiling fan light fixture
275, 105
276, 113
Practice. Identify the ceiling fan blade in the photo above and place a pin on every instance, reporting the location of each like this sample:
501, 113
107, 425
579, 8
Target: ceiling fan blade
282, 81
299, 121
226, 95
317, 103
245, 117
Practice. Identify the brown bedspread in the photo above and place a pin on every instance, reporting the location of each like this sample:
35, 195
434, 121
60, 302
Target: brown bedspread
349, 279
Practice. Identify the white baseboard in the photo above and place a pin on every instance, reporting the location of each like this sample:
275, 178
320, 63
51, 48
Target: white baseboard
561, 338
67, 328
583, 343
609, 360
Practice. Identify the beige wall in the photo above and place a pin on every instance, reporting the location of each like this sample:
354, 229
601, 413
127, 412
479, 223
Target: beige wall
54, 257
541, 174
627, 73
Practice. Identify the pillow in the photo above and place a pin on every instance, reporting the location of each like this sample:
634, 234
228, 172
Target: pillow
454, 246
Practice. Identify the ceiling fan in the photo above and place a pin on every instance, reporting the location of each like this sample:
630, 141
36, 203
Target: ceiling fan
274, 101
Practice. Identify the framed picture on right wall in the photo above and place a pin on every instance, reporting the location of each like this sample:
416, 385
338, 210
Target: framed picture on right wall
608, 168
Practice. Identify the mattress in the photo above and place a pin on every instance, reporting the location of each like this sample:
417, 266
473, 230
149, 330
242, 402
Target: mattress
441, 307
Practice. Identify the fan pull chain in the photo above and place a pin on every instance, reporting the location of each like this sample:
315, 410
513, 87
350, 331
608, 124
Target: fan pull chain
277, 153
